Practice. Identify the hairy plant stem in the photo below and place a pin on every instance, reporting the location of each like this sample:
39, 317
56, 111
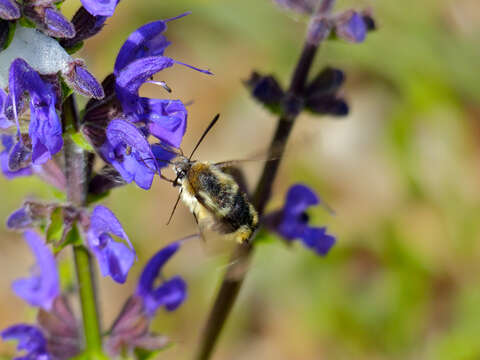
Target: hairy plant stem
76, 172
240, 259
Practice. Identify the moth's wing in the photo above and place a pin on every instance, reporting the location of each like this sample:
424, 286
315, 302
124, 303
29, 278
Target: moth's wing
207, 220
230, 168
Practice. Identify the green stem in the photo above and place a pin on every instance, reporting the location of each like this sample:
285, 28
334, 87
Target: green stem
77, 173
86, 288
240, 259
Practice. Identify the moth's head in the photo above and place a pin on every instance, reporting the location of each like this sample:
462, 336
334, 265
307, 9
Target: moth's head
181, 167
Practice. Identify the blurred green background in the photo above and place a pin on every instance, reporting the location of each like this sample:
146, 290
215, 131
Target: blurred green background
402, 173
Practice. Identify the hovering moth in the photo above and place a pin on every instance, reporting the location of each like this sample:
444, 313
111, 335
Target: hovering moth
213, 196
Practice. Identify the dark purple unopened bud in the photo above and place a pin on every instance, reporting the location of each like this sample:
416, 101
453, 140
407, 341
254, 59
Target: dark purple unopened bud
327, 82
9, 10
328, 104
265, 89
57, 25
318, 29
293, 105
369, 20
350, 26
86, 25
100, 111
60, 329
30, 214
84, 83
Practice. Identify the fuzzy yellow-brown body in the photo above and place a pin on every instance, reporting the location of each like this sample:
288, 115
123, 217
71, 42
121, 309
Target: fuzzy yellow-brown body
216, 200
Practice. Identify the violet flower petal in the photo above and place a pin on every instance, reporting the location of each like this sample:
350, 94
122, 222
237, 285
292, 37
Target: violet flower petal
132, 76
5, 156
170, 293
103, 220
146, 41
100, 7
318, 239
166, 119
299, 198
45, 128
162, 156
44, 285
291, 222
129, 152
9, 10
350, 26
114, 258
30, 339
154, 266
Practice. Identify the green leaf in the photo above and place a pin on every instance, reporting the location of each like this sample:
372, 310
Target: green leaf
66, 90
79, 139
74, 48
55, 226
144, 354
73, 238
26, 22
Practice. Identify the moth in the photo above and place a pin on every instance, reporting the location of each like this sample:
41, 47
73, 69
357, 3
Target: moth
213, 196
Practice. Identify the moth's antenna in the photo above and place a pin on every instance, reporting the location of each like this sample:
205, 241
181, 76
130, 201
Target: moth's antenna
175, 207
209, 127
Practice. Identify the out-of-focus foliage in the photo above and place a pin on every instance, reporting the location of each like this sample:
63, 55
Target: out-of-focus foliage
402, 172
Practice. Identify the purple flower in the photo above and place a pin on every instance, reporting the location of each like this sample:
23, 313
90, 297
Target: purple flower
129, 152
8, 144
131, 328
170, 293
351, 26
291, 222
43, 286
100, 7
140, 57
30, 339
9, 10
45, 129
114, 258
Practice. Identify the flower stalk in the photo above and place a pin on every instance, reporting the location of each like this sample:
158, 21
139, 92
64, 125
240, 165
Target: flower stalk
76, 171
240, 259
